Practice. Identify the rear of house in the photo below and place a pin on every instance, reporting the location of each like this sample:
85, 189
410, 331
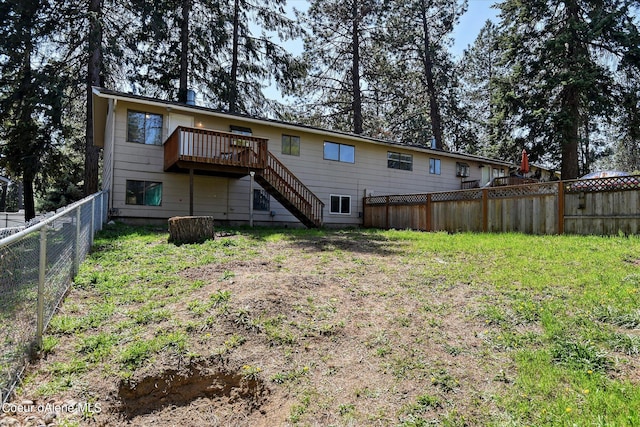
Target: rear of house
164, 159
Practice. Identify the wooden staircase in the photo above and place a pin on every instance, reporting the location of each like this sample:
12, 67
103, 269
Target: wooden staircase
219, 153
287, 189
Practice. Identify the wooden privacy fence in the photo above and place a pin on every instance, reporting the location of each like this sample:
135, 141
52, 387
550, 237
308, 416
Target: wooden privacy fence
602, 206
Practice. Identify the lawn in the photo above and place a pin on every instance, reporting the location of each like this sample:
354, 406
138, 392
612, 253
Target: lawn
266, 327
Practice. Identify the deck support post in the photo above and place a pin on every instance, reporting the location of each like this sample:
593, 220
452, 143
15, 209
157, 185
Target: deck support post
251, 175
191, 192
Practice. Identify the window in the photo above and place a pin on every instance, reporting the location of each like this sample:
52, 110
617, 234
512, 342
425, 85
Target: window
462, 169
144, 193
339, 152
434, 166
144, 128
241, 130
399, 161
291, 145
340, 205
261, 200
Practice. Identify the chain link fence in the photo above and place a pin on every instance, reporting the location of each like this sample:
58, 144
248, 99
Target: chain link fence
37, 266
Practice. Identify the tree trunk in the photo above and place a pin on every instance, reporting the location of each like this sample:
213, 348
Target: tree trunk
570, 133
191, 229
233, 77
184, 51
29, 197
30, 162
355, 70
94, 70
427, 60
570, 119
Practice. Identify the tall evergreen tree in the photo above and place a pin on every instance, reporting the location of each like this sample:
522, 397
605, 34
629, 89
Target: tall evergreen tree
339, 50
419, 31
561, 84
479, 70
627, 147
31, 93
170, 45
94, 73
256, 58
210, 46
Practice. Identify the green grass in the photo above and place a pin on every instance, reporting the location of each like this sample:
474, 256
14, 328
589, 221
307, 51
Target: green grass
558, 314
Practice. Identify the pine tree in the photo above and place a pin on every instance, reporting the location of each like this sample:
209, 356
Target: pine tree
339, 50
479, 70
561, 86
94, 74
257, 59
209, 46
419, 31
31, 97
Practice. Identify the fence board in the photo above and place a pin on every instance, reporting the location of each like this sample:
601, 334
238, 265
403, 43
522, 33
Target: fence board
603, 207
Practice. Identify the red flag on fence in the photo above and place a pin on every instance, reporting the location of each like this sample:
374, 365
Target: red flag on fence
524, 163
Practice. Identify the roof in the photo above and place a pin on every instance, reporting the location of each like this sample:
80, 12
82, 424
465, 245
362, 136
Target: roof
101, 95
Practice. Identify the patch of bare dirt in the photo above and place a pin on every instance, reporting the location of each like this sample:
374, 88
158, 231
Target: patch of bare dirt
334, 331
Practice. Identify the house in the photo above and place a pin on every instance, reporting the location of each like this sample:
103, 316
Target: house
164, 159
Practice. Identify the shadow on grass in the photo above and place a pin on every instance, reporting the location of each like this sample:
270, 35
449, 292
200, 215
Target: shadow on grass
327, 239
320, 240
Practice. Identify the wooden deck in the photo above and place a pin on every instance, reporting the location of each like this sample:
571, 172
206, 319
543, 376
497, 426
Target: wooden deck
218, 153
214, 152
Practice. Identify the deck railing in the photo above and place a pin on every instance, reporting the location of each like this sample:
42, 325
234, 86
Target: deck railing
294, 191
512, 180
214, 147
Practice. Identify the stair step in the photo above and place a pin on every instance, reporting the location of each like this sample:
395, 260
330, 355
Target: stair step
277, 190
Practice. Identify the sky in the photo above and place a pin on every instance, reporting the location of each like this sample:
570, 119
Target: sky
471, 23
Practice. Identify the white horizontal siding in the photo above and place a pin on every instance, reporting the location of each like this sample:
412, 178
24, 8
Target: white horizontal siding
229, 199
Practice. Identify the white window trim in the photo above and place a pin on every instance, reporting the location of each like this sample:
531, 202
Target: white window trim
340, 145
341, 196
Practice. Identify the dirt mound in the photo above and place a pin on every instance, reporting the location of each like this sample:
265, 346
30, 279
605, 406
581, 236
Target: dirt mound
172, 388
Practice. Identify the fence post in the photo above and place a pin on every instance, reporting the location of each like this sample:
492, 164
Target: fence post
364, 211
76, 258
428, 208
93, 220
101, 212
485, 210
387, 213
41, 283
560, 207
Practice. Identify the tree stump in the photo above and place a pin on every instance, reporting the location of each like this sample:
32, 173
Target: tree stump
190, 229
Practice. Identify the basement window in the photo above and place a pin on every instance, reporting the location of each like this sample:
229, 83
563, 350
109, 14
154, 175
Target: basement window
340, 204
144, 193
261, 200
